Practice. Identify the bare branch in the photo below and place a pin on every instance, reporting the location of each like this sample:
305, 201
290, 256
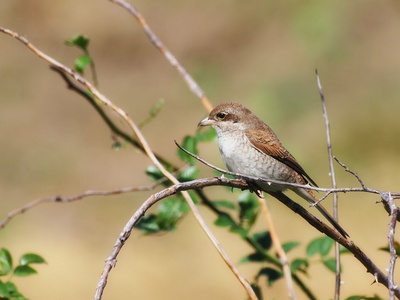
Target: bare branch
180, 187
193, 86
392, 247
90, 193
317, 223
100, 110
333, 181
278, 247
238, 183
351, 172
124, 235
308, 187
322, 227
146, 147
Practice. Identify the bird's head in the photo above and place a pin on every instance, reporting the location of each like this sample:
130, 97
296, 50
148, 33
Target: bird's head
228, 116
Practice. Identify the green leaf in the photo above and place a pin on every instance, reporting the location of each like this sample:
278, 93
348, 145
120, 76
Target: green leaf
154, 111
343, 250
219, 174
169, 212
289, 246
154, 173
224, 203
224, 220
4, 290
24, 270
271, 274
263, 239
19, 298
116, 145
240, 231
299, 265
206, 135
375, 297
190, 144
254, 257
31, 258
5, 261
257, 290
248, 209
356, 298
148, 224
188, 174
79, 41
320, 245
192, 195
10, 291
330, 263
81, 62
396, 247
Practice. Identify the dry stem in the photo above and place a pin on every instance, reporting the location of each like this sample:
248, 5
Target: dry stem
109, 264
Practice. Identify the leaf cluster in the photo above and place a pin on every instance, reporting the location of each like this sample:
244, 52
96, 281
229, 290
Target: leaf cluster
8, 290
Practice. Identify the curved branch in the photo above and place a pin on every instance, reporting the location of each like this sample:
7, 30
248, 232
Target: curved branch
318, 224
238, 183
193, 86
126, 232
307, 186
107, 102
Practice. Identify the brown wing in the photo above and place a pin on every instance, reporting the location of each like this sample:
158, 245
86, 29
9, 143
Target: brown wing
267, 142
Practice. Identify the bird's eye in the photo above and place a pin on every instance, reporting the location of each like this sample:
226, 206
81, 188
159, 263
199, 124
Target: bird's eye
221, 115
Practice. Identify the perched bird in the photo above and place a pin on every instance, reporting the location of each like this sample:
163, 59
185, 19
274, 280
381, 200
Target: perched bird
249, 147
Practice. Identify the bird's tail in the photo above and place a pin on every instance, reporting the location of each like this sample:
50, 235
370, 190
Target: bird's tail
309, 196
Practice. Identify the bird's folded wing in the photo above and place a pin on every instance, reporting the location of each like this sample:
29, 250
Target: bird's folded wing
267, 142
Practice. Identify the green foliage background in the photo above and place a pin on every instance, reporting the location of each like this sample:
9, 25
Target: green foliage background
260, 53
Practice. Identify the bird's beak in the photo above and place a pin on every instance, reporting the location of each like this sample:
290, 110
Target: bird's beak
206, 122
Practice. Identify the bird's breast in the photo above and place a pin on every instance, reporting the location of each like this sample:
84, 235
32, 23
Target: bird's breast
241, 157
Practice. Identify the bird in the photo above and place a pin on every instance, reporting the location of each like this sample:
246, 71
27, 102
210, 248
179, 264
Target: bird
251, 148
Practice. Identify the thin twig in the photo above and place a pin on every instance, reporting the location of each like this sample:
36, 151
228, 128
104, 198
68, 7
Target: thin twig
90, 193
307, 186
379, 276
242, 184
178, 187
193, 86
351, 172
112, 126
392, 247
315, 222
333, 181
278, 247
109, 264
100, 110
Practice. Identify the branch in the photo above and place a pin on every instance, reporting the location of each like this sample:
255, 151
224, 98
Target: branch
383, 194
179, 187
89, 193
242, 184
357, 252
333, 181
99, 109
392, 247
278, 248
315, 222
105, 101
193, 86
307, 186
351, 172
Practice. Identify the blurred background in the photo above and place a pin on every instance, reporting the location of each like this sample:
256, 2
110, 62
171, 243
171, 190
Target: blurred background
262, 54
